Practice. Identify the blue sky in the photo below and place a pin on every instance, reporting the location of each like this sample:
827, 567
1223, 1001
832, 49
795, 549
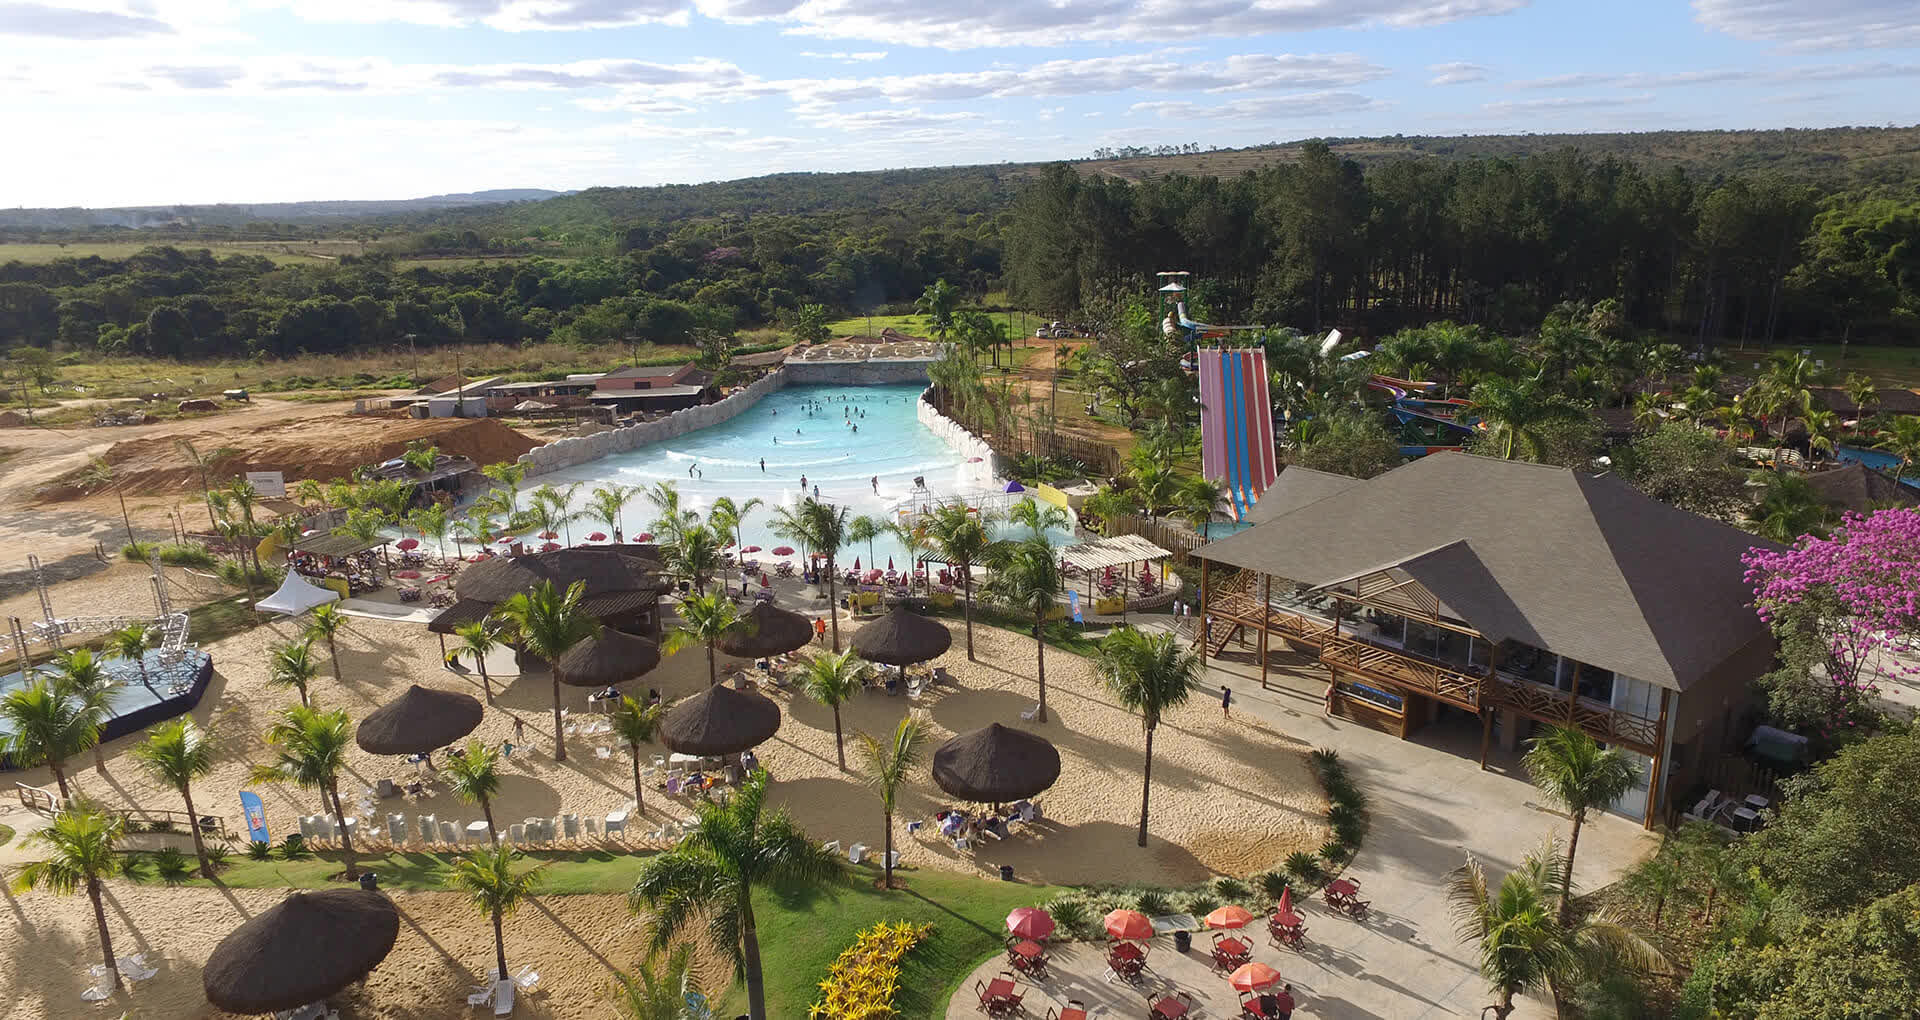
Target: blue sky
159, 101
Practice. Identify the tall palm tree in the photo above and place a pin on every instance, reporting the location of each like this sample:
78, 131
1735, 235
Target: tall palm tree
704, 620
961, 538
1863, 392
1523, 946
730, 517
1823, 431
1027, 576
474, 777
80, 855
1149, 674
659, 992
1516, 412
176, 753
695, 554
478, 641
486, 877
201, 464
822, 528
547, 624
635, 724
1038, 517
1573, 771
326, 623
310, 749
665, 497
1902, 439
709, 877
865, 529
1790, 507
132, 643
292, 665
508, 474
939, 301
86, 679
432, 522
1196, 500
833, 680
608, 504
889, 762
48, 724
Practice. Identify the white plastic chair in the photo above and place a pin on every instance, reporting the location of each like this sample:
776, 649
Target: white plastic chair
397, 829
603, 753
135, 968
1031, 712
503, 998
429, 830
480, 996
856, 853
450, 833
517, 833
832, 847
570, 824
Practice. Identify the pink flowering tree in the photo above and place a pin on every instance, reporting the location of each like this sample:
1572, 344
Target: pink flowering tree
1839, 604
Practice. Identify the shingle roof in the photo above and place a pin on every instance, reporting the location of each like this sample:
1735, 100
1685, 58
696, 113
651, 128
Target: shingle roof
1296, 487
1582, 565
1858, 487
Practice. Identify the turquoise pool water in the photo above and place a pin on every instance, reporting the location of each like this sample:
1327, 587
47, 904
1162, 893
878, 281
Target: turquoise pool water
800, 431
1879, 460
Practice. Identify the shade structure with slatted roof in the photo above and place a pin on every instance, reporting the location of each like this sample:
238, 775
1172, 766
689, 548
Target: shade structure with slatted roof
420, 720
719, 720
613, 657
902, 638
301, 950
996, 764
766, 630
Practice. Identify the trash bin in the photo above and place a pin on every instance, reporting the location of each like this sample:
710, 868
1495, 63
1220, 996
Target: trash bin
1183, 941
1006, 872
369, 881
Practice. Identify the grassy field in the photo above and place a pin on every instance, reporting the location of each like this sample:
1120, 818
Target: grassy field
282, 252
913, 325
1889, 366
799, 935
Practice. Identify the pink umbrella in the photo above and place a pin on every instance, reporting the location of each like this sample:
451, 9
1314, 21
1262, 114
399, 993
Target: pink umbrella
889, 563
751, 549
1030, 922
645, 536
856, 564
783, 550
407, 544
504, 540
598, 536
549, 547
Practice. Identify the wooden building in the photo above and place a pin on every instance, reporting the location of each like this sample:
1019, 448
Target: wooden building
1465, 590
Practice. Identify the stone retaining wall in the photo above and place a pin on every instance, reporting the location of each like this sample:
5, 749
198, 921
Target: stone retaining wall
575, 450
956, 435
857, 373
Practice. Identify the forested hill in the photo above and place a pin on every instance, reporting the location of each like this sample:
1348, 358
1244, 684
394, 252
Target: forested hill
235, 215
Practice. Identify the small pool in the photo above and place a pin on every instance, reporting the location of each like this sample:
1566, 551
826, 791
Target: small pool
861, 446
1879, 460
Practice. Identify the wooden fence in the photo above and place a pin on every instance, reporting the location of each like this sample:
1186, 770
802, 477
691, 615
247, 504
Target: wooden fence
1175, 538
1102, 459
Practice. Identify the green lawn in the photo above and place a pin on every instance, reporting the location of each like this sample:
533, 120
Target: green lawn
37, 253
568, 873
912, 325
1889, 366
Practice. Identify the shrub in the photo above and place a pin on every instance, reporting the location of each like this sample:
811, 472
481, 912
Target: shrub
138, 865
160, 825
1325, 760
218, 855
138, 552
863, 979
1304, 866
1342, 813
1152, 902
1333, 852
179, 554
1200, 902
1232, 890
231, 573
172, 865
259, 850
294, 847
1071, 913
1272, 884
1350, 833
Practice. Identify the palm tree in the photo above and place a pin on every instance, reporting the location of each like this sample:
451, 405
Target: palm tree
1517, 412
888, 764
200, 465
474, 777
729, 516
634, 724
1790, 507
476, 640
695, 554
1902, 440
509, 474
704, 620
822, 528
326, 622
48, 724
292, 665
420, 455
608, 504
1572, 770
1196, 499
962, 540
865, 529
310, 749
665, 497
1149, 674
432, 522
709, 877
547, 624
1109, 505
132, 643
84, 677
659, 994
1862, 391
1823, 430
487, 878
364, 526
476, 528
176, 753
939, 301
80, 854
1523, 946
1027, 576
833, 680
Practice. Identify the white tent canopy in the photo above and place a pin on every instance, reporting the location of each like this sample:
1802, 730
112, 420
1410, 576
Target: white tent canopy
296, 596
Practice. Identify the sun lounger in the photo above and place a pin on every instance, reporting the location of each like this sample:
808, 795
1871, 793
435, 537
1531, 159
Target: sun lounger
480, 996
1031, 712
503, 998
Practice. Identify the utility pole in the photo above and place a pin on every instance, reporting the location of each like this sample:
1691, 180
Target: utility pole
414, 357
126, 520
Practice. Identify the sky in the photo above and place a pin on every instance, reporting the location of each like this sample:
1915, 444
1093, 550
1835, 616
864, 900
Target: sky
133, 102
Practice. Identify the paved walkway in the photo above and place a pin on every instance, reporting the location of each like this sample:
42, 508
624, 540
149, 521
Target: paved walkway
1431, 805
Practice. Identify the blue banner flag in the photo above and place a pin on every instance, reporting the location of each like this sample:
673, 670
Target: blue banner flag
256, 815
1073, 605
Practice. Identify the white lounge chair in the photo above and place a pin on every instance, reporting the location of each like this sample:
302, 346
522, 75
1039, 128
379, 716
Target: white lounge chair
503, 998
603, 753
135, 968
1031, 712
480, 996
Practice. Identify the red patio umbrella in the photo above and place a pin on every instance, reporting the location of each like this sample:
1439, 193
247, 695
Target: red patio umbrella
598, 536
1129, 924
1285, 910
480, 557
549, 547
889, 563
1230, 916
1030, 923
783, 550
645, 536
549, 535
751, 549
504, 540
856, 564
1254, 977
407, 544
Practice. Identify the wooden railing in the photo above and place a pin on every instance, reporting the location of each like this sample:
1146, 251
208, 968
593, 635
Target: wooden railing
1548, 704
1451, 685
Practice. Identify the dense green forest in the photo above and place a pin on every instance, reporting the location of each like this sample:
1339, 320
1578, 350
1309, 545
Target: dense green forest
1312, 241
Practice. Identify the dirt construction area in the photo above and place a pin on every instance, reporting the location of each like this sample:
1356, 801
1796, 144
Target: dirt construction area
61, 488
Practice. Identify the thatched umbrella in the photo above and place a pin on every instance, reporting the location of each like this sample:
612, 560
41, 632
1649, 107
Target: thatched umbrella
902, 638
301, 950
613, 657
615, 581
766, 630
995, 764
719, 720
419, 721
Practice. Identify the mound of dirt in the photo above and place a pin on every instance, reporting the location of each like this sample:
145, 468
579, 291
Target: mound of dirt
13, 420
322, 449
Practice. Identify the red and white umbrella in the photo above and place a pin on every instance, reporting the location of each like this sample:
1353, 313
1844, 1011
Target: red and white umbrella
783, 550
751, 549
645, 536
407, 544
505, 540
598, 536
1254, 977
549, 535
856, 564
549, 546
889, 563
480, 557
1030, 922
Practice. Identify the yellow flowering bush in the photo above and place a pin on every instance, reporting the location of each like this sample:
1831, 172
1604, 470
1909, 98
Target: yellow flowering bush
862, 981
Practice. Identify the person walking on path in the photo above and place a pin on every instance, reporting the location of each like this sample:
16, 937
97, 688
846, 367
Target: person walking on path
519, 729
1226, 702
820, 629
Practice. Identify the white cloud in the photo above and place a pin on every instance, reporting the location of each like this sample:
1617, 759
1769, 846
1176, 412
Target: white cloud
1766, 76
1567, 103
864, 57
66, 22
1293, 107
1457, 72
1815, 24
968, 24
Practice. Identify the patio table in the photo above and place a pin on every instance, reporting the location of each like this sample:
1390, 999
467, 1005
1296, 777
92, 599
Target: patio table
1027, 949
1342, 887
1170, 1008
1128, 951
999, 988
1232, 947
